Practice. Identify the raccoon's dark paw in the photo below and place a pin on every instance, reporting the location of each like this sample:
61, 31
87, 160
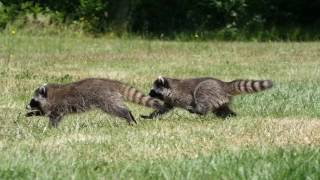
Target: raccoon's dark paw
133, 123
225, 114
29, 114
191, 110
34, 113
146, 117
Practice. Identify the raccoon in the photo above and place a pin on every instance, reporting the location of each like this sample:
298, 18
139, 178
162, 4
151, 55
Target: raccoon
202, 95
57, 100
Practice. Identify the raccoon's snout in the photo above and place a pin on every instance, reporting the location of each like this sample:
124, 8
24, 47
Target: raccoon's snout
34, 108
28, 107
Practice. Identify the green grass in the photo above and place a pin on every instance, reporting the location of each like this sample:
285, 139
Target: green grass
276, 134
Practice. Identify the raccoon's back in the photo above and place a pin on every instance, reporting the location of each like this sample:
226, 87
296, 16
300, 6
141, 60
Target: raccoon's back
97, 84
190, 85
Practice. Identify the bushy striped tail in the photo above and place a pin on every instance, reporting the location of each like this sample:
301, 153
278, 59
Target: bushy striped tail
248, 86
132, 94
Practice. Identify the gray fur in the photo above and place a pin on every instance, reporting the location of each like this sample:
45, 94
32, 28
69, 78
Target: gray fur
57, 100
202, 95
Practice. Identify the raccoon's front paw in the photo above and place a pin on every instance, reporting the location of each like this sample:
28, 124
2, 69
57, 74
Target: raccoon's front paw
190, 109
33, 113
146, 117
29, 114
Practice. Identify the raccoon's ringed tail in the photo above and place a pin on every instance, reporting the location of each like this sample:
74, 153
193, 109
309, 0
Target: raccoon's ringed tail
249, 86
132, 94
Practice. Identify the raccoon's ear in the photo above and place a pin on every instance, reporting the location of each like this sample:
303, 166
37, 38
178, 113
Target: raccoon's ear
43, 90
161, 81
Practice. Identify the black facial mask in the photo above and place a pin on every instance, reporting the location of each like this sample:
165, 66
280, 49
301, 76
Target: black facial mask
154, 94
34, 104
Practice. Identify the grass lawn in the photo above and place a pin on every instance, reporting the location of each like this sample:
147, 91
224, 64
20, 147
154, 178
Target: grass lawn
276, 134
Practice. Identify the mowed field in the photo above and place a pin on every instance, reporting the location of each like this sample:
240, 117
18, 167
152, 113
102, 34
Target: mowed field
276, 134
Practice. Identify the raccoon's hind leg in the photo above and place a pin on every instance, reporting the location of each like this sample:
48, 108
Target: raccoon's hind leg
124, 113
224, 112
209, 96
200, 107
114, 105
120, 111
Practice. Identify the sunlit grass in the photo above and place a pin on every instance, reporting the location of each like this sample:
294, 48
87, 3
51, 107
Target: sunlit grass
275, 133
